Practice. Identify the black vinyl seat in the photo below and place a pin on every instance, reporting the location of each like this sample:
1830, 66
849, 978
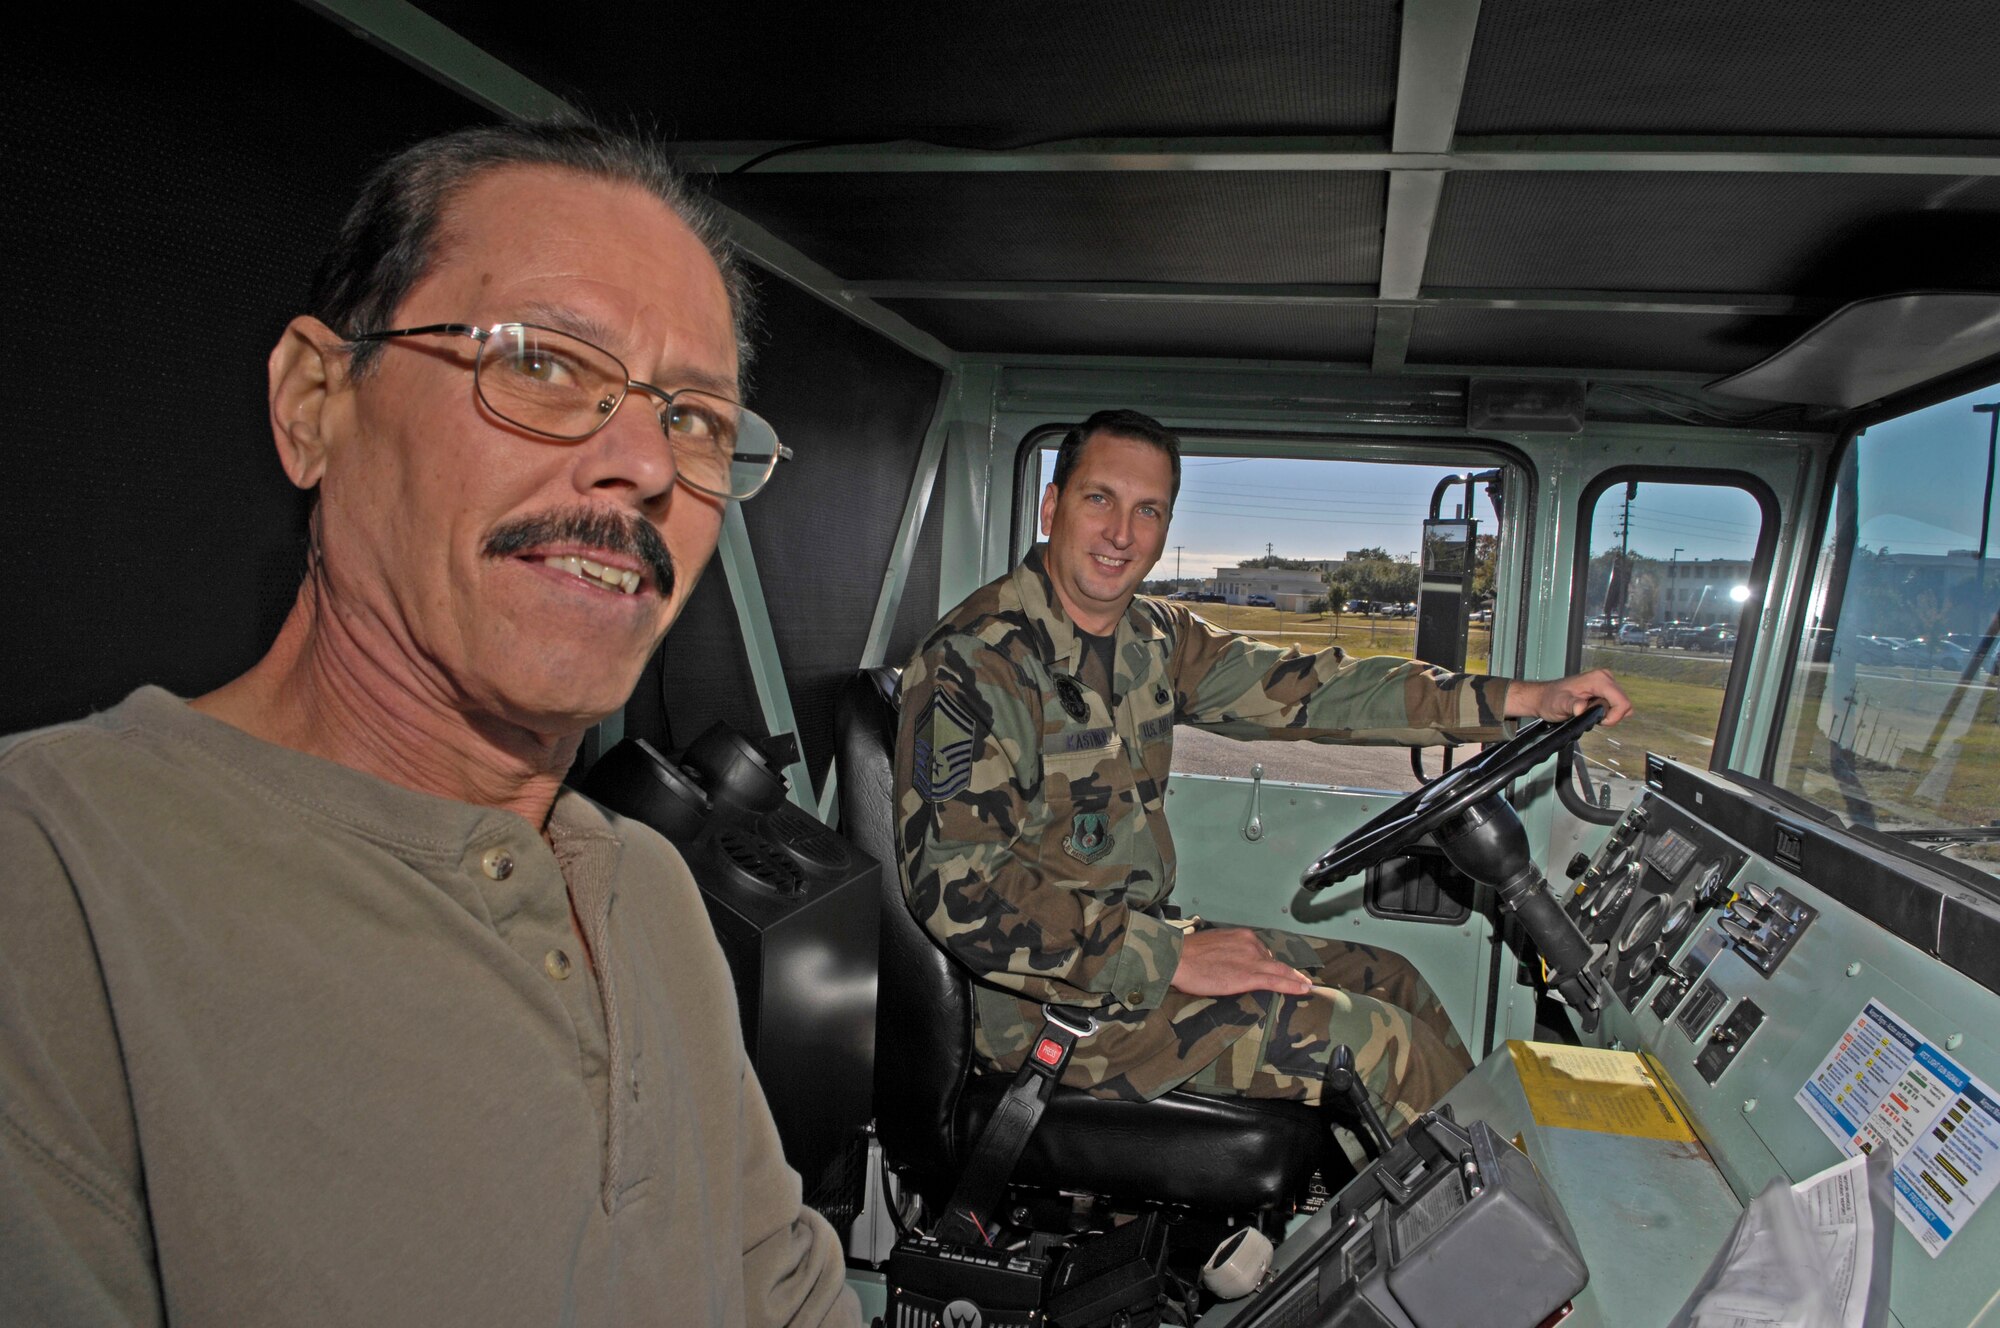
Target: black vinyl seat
1223, 1155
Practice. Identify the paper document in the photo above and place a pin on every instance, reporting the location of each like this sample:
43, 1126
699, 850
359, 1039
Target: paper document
1608, 1092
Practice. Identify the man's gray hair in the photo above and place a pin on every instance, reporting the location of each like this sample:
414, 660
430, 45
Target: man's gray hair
390, 237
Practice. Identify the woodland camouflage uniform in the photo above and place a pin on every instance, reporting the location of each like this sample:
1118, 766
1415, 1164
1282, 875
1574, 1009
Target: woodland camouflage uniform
1035, 847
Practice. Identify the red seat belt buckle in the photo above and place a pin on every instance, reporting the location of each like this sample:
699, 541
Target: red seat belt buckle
1049, 1052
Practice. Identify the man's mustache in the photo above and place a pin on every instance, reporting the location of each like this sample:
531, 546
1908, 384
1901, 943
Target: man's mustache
592, 526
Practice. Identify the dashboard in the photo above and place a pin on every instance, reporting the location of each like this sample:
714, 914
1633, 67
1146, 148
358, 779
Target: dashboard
1797, 992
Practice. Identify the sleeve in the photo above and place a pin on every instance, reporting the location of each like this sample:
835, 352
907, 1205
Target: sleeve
982, 867
75, 1242
1244, 688
794, 1272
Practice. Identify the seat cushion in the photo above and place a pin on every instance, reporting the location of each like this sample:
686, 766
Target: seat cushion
1224, 1155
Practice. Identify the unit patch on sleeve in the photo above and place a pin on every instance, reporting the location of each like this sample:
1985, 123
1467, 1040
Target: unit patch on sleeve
946, 736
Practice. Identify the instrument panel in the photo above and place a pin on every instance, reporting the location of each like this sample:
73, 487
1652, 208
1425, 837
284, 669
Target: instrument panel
1651, 887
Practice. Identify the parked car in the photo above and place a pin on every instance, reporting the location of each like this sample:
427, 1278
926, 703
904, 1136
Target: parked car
1261, 602
1632, 634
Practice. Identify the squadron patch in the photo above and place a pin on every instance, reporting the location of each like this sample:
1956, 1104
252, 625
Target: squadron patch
1070, 693
1089, 837
946, 736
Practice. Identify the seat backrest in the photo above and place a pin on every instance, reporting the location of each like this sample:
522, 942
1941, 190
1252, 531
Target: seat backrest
923, 1022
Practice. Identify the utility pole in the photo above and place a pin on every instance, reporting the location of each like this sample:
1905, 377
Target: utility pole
1177, 561
1986, 506
1625, 550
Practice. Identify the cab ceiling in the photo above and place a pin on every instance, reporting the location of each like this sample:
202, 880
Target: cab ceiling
1663, 193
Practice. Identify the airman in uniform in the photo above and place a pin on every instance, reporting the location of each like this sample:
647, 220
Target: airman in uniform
1032, 767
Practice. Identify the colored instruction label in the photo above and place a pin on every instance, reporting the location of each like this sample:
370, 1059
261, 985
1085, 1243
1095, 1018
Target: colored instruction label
1882, 1084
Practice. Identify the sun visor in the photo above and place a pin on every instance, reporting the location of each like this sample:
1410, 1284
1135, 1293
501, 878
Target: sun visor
1874, 348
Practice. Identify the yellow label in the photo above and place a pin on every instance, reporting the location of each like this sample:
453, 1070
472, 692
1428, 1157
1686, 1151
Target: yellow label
1609, 1092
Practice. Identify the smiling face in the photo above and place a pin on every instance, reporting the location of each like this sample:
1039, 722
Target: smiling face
1106, 527
489, 569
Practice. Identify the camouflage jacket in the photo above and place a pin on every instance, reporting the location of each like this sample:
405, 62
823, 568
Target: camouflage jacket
1033, 830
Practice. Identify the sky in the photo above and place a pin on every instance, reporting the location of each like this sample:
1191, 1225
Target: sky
1230, 508
1923, 477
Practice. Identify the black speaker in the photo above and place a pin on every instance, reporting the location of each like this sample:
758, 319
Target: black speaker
796, 909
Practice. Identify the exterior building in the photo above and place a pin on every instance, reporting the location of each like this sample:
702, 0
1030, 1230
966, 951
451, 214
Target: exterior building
1698, 592
1294, 589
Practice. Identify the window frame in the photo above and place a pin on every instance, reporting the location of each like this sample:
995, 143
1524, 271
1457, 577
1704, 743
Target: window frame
1771, 516
1468, 451
1985, 374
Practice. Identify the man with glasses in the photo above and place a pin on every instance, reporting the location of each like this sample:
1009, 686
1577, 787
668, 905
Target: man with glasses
320, 999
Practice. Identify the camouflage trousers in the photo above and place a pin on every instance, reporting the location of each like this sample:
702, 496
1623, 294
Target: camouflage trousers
1370, 999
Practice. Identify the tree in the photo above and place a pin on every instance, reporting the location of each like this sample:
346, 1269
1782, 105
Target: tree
1337, 591
1485, 565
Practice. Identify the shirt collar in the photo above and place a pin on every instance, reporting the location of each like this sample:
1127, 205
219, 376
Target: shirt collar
1040, 602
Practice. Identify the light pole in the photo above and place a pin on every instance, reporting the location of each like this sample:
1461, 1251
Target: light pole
1986, 507
1673, 584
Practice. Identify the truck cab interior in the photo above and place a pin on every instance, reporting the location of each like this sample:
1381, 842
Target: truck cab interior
1664, 339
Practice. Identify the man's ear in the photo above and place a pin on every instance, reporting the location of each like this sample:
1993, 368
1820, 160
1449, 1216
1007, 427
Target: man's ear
308, 369
1049, 507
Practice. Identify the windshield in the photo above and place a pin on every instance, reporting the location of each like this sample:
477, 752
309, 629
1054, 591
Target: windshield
1893, 718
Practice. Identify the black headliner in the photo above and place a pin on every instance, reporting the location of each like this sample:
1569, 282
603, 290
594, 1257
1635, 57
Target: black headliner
1905, 79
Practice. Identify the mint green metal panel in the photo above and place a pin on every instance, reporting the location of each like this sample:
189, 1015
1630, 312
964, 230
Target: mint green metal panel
1755, 1130
975, 462
760, 643
1228, 878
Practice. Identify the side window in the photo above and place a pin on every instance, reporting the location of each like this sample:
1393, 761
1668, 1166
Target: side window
1314, 554
1668, 573
1892, 719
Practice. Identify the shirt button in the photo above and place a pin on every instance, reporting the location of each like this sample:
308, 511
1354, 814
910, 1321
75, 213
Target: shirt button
556, 964
497, 863
1134, 996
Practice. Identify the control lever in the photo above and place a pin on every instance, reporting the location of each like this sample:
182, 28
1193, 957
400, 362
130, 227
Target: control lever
1487, 843
1345, 1083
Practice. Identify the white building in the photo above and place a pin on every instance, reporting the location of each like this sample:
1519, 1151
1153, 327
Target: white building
1293, 589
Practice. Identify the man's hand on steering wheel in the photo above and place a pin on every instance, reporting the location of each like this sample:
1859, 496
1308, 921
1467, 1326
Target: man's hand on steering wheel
1228, 961
1565, 698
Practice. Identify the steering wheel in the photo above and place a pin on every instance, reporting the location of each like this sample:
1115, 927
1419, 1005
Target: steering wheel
1450, 794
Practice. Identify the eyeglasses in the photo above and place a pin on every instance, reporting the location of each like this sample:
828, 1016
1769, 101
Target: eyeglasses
562, 387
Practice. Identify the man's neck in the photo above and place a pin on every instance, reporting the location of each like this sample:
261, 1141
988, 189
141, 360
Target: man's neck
318, 690
1102, 624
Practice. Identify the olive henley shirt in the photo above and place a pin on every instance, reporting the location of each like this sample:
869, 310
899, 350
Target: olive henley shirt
282, 1043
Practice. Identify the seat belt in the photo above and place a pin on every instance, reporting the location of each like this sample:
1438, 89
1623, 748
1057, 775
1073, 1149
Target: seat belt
968, 1218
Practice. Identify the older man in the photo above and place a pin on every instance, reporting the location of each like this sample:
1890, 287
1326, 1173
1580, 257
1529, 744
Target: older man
1036, 742
320, 1000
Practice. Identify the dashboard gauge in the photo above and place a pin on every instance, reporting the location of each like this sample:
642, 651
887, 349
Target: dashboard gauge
1613, 898
1644, 922
1642, 963
1678, 918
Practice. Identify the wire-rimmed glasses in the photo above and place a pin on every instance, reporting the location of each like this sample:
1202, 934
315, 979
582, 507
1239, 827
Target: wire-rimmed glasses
562, 387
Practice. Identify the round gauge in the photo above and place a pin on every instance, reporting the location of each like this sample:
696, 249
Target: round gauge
1613, 898
1678, 918
1620, 859
1642, 963
1644, 922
